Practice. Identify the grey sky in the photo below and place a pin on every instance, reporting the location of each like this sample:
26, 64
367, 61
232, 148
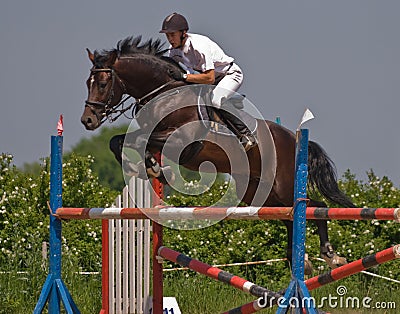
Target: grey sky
339, 58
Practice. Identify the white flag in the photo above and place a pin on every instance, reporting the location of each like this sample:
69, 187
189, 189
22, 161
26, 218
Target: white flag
308, 115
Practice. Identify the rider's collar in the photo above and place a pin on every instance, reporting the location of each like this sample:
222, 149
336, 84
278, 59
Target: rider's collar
187, 44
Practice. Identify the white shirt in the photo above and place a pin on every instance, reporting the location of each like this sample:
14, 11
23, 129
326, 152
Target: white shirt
201, 54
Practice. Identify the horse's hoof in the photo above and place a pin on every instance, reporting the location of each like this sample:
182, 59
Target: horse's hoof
331, 258
308, 267
335, 261
167, 176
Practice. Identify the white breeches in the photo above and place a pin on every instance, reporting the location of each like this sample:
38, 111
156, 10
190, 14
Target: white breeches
228, 85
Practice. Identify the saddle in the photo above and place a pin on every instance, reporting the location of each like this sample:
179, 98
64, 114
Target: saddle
211, 119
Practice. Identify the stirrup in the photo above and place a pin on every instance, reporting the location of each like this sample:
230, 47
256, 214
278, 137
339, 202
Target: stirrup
248, 141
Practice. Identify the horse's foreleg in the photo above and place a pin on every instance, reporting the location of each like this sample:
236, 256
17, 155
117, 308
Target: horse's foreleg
116, 144
133, 140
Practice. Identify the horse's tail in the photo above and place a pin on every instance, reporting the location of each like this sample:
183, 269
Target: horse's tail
322, 176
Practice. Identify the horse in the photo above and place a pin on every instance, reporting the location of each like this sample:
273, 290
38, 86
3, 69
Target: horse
141, 70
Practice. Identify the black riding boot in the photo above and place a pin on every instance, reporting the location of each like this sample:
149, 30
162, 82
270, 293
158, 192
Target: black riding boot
238, 128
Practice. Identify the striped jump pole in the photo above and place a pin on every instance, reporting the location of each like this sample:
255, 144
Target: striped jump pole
163, 213
331, 276
354, 267
158, 288
215, 273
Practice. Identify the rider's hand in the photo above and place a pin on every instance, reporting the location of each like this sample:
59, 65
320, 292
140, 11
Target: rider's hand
177, 75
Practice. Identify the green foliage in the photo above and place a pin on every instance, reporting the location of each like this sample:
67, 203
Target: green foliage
377, 192
106, 167
194, 193
24, 226
24, 214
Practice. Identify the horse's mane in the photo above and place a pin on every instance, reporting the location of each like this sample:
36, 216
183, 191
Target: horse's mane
132, 46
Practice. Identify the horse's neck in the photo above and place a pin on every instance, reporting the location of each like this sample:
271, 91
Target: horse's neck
140, 78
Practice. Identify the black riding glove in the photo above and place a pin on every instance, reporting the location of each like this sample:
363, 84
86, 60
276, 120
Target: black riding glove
177, 75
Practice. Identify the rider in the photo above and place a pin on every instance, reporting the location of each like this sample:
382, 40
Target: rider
206, 63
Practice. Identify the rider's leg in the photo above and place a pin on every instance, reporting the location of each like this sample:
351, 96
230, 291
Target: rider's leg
238, 127
225, 89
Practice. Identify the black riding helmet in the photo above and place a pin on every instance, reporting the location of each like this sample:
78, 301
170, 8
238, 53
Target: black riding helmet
174, 22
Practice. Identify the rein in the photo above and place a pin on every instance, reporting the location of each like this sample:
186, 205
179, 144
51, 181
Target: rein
109, 110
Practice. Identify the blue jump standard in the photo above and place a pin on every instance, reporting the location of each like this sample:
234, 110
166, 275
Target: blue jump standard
297, 290
54, 289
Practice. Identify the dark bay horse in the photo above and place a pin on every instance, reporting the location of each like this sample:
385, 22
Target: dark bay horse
167, 109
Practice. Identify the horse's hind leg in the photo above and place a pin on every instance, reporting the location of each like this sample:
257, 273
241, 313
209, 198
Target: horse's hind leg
326, 248
308, 268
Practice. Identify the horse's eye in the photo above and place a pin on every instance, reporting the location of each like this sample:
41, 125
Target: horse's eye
102, 84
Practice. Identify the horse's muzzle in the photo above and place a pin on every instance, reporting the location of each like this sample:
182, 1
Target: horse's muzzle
89, 119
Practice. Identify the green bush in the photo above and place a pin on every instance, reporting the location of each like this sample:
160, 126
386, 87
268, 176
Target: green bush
24, 215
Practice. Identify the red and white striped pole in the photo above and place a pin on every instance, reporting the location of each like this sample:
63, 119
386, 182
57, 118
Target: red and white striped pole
331, 276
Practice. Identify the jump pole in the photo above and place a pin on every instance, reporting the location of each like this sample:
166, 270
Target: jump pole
158, 293
105, 268
215, 273
331, 276
54, 289
164, 213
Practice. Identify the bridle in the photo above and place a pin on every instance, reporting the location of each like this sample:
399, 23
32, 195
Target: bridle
109, 110
112, 113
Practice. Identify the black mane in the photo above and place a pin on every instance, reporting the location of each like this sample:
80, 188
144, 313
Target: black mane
132, 46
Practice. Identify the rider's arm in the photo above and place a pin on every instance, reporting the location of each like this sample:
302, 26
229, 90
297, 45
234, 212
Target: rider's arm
206, 77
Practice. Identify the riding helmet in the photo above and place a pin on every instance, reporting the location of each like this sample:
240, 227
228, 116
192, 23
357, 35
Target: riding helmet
174, 22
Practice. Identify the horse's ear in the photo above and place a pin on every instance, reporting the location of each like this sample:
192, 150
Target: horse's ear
112, 58
90, 55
